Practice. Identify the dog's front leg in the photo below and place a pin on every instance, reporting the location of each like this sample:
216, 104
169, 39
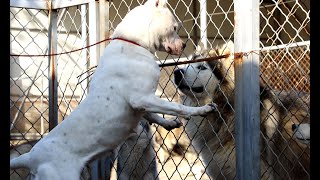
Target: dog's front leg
168, 125
151, 103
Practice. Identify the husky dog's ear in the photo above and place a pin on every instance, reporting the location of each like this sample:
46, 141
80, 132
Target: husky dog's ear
158, 3
200, 47
212, 53
199, 51
226, 48
222, 66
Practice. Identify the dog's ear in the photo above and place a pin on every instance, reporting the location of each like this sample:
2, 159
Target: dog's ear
226, 48
199, 50
200, 47
158, 3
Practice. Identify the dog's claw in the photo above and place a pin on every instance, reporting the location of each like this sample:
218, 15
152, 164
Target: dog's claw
214, 106
179, 123
175, 124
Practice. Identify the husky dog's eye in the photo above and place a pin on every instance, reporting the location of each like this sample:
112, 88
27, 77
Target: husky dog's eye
202, 67
175, 28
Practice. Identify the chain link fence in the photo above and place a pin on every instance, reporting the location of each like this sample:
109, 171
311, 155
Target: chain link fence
284, 72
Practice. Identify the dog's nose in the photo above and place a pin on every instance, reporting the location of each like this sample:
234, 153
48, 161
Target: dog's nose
294, 127
184, 45
178, 76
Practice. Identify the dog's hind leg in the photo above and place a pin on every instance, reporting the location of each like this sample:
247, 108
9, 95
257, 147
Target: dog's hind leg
151, 103
168, 125
47, 172
20, 161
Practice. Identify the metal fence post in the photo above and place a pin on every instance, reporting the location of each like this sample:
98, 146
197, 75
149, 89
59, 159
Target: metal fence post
102, 24
53, 83
247, 104
203, 23
93, 33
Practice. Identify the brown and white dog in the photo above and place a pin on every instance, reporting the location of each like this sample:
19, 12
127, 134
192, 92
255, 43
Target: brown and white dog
285, 128
136, 158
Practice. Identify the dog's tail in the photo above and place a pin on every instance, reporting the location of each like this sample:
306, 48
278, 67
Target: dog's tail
21, 161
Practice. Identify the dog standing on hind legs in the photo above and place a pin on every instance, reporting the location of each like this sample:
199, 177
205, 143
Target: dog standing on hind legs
118, 97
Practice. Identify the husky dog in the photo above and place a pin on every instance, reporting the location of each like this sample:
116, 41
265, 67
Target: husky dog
122, 91
213, 136
136, 157
290, 155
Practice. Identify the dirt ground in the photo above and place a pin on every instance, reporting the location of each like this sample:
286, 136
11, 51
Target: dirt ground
178, 168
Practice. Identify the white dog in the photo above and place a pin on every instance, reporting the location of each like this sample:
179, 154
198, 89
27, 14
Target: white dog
122, 91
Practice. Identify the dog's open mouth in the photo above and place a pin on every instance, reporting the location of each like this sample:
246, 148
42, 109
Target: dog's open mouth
303, 140
193, 89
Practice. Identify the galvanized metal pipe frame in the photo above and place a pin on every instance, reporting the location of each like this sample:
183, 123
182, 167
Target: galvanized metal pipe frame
93, 33
53, 74
247, 99
24, 98
203, 23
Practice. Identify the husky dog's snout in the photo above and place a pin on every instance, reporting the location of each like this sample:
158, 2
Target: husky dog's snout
182, 84
301, 131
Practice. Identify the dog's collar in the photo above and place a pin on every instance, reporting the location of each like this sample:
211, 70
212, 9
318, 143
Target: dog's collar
122, 39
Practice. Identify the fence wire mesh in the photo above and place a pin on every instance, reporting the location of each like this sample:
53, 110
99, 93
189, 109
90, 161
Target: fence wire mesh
204, 148
29, 77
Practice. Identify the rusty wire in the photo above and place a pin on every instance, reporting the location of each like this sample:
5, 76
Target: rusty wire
236, 55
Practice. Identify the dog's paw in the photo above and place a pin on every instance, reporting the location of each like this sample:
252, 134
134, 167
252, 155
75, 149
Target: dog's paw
176, 123
214, 106
209, 108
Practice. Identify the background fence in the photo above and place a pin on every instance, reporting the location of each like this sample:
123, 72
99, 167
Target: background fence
69, 25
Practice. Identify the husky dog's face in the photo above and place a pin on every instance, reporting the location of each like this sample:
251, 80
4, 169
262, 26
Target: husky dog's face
196, 80
297, 117
301, 119
201, 80
301, 132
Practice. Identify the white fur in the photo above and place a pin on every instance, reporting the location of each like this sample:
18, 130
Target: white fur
302, 133
122, 90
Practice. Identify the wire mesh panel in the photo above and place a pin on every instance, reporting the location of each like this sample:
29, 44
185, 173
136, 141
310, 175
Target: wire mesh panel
204, 148
285, 69
29, 75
